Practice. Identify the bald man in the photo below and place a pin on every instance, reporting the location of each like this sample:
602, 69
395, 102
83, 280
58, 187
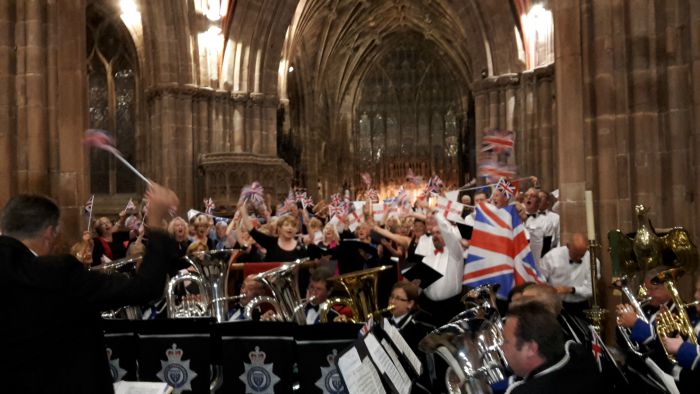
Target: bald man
568, 269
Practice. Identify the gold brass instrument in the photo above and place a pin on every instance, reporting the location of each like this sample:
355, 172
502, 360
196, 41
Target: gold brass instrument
638, 302
669, 324
283, 282
361, 290
125, 266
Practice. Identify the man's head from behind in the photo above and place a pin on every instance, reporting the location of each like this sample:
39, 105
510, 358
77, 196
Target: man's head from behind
531, 337
31, 218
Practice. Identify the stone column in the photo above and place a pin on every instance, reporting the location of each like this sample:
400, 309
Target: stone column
68, 89
270, 124
239, 105
543, 84
568, 79
255, 118
7, 101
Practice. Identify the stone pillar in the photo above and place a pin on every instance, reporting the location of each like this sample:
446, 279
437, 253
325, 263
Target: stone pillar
568, 79
543, 84
8, 103
270, 124
239, 104
255, 122
68, 93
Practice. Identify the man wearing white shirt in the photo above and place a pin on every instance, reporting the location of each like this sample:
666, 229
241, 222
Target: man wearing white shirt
553, 218
568, 269
444, 254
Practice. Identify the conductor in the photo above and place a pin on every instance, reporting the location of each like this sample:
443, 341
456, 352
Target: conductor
50, 338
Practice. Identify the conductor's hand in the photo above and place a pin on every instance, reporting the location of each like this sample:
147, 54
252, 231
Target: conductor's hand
160, 199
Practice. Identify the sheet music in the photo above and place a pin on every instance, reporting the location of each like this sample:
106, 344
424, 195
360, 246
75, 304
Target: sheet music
385, 365
124, 387
395, 358
401, 343
360, 375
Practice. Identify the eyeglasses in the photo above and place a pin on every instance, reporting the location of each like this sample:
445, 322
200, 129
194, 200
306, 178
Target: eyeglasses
396, 298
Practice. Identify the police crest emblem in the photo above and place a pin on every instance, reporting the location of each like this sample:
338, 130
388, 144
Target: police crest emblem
115, 369
258, 376
330, 381
176, 371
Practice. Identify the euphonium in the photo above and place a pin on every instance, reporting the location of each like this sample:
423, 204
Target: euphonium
211, 273
470, 344
126, 266
190, 305
669, 324
284, 285
637, 303
361, 288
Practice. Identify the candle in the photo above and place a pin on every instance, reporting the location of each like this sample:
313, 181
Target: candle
590, 222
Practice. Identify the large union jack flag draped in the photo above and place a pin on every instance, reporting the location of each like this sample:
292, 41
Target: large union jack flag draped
499, 251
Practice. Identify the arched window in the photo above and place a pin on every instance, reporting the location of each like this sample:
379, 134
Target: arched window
112, 74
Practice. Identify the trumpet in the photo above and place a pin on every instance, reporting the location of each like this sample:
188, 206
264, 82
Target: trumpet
669, 324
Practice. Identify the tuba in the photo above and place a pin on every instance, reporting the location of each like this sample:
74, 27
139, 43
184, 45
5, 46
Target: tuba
470, 344
283, 282
669, 324
211, 269
124, 266
361, 290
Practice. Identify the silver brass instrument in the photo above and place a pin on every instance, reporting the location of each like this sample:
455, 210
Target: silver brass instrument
283, 282
211, 274
637, 302
361, 288
125, 266
669, 324
471, 346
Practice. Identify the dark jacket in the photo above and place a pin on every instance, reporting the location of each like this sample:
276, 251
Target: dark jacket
51, 337
574, 373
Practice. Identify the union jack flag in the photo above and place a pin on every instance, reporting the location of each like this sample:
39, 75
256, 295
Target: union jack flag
434, 184
497, 141
209, 206
493, 170
401, 198
596, 348
505, 187
253, 193
336, 199
89, 204
372, 195
498, 251
130, 205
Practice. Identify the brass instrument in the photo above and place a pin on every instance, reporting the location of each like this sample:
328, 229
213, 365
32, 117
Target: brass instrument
125, 266
361, 289
637, 301
470, 344
211, 269
283, 282
669, 324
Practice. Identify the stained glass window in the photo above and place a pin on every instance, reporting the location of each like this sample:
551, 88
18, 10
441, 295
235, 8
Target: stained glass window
111, 67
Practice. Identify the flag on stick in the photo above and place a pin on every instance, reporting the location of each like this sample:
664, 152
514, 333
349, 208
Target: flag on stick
499, 251
99, 139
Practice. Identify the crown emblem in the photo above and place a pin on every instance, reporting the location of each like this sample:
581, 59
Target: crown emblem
176, 371
257, 357
115, 368
174, 354
330, 381
259, 377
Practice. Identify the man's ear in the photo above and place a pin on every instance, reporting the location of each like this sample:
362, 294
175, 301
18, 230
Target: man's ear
48, 233
533, 349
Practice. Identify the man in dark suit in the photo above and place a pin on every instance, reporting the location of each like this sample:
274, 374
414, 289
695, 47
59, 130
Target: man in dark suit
51, 338
534, 346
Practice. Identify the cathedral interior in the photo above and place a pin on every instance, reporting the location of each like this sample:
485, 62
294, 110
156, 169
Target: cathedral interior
206, 96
